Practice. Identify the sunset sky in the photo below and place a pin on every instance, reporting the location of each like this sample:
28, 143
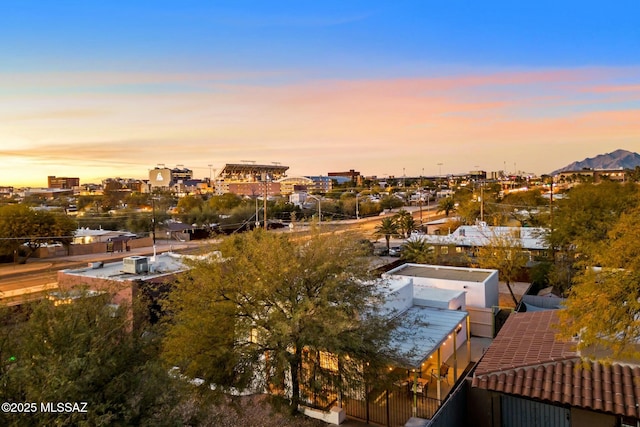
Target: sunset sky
100, 89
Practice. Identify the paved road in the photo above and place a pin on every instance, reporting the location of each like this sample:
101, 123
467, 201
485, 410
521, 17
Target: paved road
40, 275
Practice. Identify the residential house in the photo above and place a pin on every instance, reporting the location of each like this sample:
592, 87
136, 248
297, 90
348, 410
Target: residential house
528, 377
126, 279
480, 288
432, 343
459, 246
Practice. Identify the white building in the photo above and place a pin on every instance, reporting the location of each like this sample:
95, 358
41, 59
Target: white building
479, 286
530, 238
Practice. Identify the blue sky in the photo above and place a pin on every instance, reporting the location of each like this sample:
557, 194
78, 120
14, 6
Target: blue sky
469, 75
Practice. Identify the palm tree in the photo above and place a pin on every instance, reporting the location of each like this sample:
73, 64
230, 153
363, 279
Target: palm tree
446, 205
418, 251
405, 222
387, 228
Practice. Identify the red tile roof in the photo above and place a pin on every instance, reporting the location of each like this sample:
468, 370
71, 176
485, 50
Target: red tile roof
526, 360
526, 339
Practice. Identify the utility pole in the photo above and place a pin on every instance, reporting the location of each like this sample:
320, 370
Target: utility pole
481, 203
264, 177
153, 220
420, 204
257, 214
153, 226
551, 205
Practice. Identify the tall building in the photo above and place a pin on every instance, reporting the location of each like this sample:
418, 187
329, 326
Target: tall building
163, 177
249, 179
62, 183
352, 175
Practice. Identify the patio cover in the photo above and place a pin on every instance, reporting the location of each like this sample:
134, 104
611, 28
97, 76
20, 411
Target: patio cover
422, 331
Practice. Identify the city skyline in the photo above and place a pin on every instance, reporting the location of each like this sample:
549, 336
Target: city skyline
385, 88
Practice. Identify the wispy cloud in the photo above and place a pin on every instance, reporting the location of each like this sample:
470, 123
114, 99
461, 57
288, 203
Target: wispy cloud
319, 125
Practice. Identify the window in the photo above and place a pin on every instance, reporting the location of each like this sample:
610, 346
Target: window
459, 249
629, 422
444, 250
328, 361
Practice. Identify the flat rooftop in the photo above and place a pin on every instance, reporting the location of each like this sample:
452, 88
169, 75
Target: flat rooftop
166, 263
442, 272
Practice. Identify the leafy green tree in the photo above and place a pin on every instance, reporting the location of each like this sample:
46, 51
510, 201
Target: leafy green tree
603, 306
390, 202
387, 228
203, 216
85, 351
86, 203
258, 317
583, 219
224, 203
368, 208
135, 200
634, 174
525, 199
188, 203
468, 210
446, 205
504, 253
25, 229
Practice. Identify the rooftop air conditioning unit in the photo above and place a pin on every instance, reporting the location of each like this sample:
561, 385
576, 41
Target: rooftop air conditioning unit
136, 264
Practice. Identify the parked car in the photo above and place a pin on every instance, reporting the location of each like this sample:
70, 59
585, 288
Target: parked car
395, 251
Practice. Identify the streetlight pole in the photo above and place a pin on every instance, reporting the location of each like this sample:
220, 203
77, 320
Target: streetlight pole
265, 178
319, 207
482, 201
153, 220
357, 211
153, 225
420, 203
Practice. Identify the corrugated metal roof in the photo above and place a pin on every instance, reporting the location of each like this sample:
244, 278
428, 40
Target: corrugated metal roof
423, 330
478, 236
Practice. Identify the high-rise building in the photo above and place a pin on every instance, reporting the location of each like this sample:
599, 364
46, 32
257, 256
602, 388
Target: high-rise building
62, 183
164, 177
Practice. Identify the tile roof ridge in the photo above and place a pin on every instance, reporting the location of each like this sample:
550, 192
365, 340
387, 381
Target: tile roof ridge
524, 366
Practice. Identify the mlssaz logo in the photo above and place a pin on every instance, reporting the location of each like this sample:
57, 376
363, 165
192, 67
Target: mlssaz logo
63, 407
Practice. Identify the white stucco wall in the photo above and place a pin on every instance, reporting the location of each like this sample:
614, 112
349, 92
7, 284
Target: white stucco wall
478, 294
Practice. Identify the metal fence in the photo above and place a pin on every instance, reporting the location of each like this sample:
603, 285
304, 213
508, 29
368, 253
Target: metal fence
387, 407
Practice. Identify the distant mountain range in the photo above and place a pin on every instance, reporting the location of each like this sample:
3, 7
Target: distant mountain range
619, 159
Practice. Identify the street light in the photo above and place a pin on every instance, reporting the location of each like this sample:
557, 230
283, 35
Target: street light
153, 225
319, 207
357, 210
153, 220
